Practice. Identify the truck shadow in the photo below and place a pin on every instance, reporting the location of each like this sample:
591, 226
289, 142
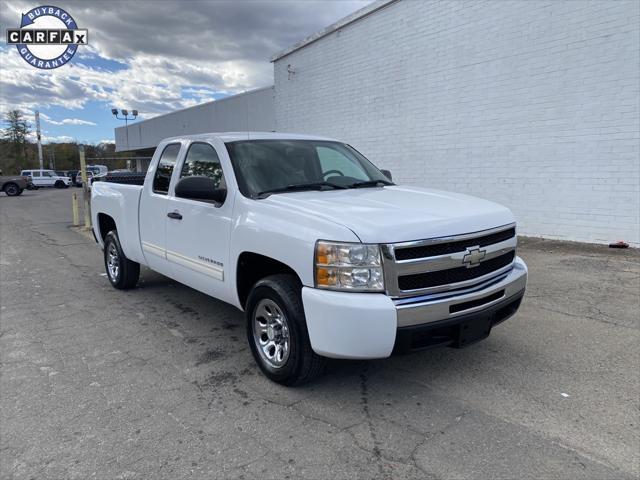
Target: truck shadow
214, 333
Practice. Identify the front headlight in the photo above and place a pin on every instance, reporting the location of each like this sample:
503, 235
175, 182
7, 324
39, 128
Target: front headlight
348, 266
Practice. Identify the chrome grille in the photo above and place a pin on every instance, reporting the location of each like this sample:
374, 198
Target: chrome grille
448, 263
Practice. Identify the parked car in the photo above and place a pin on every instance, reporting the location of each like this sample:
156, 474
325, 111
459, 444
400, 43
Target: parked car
324, 253
13, 185
98, 171
72, 175
78, 181
47, 178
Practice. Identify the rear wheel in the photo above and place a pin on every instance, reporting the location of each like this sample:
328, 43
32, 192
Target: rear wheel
122, 272
20, 191
12, 189
277, 331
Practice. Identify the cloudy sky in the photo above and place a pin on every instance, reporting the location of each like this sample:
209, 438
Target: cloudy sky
154, 56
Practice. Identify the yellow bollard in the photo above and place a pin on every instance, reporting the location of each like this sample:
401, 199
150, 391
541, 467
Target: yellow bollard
76, 214
86, 195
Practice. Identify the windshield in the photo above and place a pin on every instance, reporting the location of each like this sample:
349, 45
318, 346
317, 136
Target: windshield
271, 166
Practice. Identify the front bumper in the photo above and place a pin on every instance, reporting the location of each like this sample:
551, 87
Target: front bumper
372, 325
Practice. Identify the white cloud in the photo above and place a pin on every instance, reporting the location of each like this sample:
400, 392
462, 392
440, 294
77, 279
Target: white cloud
51, 139
184, 48
66, 121
107, 140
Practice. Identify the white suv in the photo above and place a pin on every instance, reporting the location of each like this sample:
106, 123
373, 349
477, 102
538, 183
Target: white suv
46, 178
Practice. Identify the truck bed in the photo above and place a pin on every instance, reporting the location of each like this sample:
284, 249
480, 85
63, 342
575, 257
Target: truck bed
121, 202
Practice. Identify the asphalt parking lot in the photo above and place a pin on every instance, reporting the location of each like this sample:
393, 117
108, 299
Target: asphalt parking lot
158, 382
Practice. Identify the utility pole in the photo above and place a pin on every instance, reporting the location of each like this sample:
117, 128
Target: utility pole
38, 136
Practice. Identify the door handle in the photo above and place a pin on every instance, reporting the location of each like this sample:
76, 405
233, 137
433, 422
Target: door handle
174, 215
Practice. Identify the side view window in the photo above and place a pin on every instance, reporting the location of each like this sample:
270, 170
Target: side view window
202, 160
166, 164
36, 174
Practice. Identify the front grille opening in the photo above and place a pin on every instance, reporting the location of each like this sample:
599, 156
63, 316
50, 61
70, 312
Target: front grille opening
459, 307
454, 275
411, 253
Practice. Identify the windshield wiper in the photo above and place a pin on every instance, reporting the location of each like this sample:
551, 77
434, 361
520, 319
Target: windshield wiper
371, 183
299, 186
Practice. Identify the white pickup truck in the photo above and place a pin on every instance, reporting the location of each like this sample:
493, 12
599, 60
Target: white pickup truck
326, 256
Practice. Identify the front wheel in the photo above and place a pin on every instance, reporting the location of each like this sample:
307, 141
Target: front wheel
12, 190
277, 331
59, 184
122, 272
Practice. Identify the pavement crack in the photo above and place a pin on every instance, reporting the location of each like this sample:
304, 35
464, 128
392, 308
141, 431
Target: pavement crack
364, 402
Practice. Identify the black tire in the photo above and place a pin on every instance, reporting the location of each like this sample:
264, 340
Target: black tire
128, 271
11, 189
20, 191
302, 364
59, 184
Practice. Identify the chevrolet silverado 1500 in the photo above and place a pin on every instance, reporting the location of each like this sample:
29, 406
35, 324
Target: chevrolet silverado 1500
326, 256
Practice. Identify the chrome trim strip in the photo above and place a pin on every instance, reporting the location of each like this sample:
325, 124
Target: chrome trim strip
432, 310
448, 294
453, 260
154, 249
453, 238
213, 271
455, 286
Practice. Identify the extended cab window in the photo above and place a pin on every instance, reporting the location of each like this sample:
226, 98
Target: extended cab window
165, 168
202, 160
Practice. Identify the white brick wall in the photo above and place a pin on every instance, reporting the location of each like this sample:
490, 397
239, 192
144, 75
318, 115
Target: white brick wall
534, 104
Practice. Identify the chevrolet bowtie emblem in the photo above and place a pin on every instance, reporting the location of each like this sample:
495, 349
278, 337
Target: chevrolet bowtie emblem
473, 256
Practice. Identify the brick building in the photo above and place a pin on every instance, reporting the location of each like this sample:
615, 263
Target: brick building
534, 104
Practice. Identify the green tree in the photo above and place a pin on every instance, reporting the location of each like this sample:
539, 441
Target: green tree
15, 134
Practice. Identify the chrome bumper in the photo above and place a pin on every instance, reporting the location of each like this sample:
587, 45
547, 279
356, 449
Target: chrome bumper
447, 305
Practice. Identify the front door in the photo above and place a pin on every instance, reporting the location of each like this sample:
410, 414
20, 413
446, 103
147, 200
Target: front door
153, 210
198, 231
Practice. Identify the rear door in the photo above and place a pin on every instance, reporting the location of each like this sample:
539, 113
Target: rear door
153, 208
198, 234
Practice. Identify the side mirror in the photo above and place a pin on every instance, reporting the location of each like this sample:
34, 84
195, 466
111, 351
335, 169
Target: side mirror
387, 174
200, 188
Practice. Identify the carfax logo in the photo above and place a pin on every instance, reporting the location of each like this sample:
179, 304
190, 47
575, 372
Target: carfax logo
48, 37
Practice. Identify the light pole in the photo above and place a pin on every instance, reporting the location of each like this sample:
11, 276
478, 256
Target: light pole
126, 118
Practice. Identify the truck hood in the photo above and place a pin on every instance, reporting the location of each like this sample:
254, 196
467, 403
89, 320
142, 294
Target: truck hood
397, 214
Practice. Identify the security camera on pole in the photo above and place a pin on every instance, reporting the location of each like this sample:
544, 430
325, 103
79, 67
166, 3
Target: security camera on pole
126, 118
